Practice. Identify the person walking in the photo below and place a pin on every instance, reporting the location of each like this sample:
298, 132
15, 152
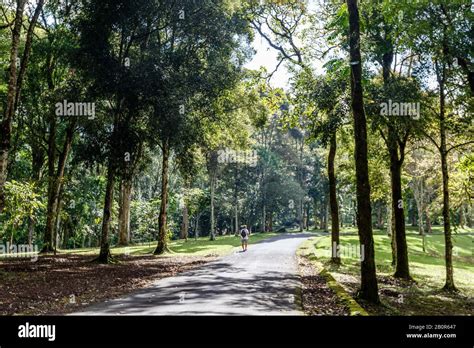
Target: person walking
244, 237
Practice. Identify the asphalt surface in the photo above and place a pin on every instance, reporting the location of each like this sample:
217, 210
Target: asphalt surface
261, 281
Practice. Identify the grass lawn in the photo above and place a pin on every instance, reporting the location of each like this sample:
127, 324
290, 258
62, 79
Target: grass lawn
427, 269
202, 246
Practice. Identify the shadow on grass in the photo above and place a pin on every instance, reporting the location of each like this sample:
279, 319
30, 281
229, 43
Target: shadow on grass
423, 297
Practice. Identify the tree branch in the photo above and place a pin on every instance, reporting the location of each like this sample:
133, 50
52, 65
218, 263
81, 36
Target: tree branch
460, 145
431, 139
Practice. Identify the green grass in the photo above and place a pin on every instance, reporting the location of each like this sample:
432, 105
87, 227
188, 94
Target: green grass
427, 268
424, 296
435, 230
201, 247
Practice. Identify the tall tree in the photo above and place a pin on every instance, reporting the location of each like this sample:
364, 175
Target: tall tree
324, 103
395, 137
113, 58
15, 80
58, 82
369, 287
191, 77
442, 40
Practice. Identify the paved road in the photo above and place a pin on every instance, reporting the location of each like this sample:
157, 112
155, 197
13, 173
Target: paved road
260, 281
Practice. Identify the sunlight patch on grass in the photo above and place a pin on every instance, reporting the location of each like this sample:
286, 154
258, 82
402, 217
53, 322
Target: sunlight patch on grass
200, 247
427, 268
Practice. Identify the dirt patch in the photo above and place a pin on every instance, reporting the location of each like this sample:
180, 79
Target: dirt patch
316, 297
66, 283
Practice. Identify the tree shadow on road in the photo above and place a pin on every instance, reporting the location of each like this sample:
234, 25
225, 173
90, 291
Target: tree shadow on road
210, 291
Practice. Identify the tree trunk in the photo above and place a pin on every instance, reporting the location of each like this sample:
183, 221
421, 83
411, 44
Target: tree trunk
236, 216
369, 287
163, 233
31, 230
196, 231
423, 240
212, 164
441, 77
26, 52
300, 176
270, 222
378, 219
389, 219
57, 221
6, 124
333, 200
391, 233
326, 216
48, 233
37, 156
300, 214
212, 235
55, 180
469, 216
354, 215
13, 229
104, 255
66, 234
412, 216
315, 213
428, 220
402, 267
37, 160
184, 224
322, 214
307, 218
418, 191
304, 217
393, 242
462, 220
125, 201
396, 161
446, 219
